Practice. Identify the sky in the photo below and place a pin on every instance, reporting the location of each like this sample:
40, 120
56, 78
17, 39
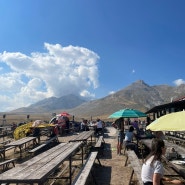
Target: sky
90, 48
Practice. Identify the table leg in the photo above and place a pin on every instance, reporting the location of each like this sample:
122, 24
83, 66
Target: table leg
20, 148
70, 170
35, 141
2, 154
82, 155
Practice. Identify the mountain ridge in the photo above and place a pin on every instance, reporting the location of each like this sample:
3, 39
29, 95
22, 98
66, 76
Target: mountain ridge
137, 95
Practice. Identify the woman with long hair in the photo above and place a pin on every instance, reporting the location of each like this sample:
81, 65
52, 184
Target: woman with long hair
152, 169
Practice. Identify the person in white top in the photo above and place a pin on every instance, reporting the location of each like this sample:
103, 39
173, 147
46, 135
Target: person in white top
152, 169
128, 141
99, 126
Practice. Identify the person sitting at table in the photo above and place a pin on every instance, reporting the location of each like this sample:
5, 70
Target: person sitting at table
152, 169
128, 141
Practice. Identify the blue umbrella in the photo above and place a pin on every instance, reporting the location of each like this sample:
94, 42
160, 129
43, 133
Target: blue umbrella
128, 113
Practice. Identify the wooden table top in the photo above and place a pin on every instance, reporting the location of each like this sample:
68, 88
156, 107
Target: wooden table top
179, 149
37, 169
82, 136
20, 141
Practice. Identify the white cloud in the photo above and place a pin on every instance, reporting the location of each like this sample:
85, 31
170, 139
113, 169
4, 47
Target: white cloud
86, 93
111, 92
59, 71
179, 82
133, 71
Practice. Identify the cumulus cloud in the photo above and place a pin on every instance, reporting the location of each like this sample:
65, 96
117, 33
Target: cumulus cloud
57, 72
111, 92
179, 82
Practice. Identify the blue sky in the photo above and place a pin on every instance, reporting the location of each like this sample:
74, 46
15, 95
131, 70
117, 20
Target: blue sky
87, 47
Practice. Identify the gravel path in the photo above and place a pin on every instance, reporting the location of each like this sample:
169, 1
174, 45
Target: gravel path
113, 171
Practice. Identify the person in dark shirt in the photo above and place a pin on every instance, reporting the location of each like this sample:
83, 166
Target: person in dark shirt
119, 125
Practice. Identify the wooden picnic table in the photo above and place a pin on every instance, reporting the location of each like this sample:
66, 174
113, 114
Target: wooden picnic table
83, 136
20, 143
37, 169
179, 149
180, 169
174, 139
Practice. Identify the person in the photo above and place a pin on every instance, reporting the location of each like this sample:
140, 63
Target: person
119, 124
159, 135
36, 132
152, 168
14, 126
67, 124
129, 135
135, 124
54, 131
99, 126
84, 125
61, 123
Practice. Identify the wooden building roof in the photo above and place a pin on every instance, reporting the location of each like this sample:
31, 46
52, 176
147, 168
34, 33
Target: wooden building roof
160, 110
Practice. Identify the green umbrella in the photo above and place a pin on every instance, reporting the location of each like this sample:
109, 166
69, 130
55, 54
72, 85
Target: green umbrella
128, 113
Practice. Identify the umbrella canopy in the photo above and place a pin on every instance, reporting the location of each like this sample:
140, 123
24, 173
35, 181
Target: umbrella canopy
65, 114
128, 113
169, 122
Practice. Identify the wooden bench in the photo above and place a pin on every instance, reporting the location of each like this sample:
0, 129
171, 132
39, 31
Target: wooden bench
5, 164
135, 164
98, 146
3, 150
48, 142
86, 170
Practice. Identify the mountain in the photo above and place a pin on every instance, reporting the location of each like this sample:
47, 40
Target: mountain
138, 95
52, 104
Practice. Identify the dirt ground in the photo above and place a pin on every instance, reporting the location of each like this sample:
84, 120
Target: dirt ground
113, 171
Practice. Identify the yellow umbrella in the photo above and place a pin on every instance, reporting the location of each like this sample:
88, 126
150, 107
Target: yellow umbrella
169, 122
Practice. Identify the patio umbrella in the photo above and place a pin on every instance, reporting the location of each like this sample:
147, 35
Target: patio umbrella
65, 114
128, 113
169, 122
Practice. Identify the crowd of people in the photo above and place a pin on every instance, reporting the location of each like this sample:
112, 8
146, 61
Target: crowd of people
97, 125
